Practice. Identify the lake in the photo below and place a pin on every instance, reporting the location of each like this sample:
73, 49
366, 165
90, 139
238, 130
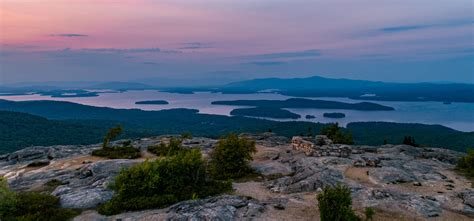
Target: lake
459, 116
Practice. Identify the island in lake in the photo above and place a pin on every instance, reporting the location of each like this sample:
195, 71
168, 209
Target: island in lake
310, 116
268, 112
334, 115
307, 103
68, 93
153, 102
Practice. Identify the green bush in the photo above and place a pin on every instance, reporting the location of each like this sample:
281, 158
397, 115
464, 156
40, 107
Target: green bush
31, 206
160, 183
466, 163
38, 164
335, 133
124, 152
231, 158
186, 135
369, 213
335, 204
173, 148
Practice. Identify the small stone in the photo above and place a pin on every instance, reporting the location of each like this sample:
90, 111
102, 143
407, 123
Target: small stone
416, 184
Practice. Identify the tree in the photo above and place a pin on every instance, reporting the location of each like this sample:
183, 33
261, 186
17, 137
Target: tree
409, 140
335, 133
112, 134
231, 158
335, 204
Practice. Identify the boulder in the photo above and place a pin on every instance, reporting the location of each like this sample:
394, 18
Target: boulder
84, 198
303, 144
392, 175
309, 174
225, 207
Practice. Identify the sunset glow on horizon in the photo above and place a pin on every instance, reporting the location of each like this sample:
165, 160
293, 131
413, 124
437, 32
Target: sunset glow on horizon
91, 40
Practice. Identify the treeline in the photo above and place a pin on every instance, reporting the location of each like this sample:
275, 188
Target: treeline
20, 130
71, 123
377, 133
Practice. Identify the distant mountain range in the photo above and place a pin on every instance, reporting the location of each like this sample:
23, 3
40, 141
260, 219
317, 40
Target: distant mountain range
300, 87
356, 89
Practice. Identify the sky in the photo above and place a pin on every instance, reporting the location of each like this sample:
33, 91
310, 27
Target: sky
215, 41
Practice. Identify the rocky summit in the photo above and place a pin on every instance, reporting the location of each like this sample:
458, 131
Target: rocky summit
400, 182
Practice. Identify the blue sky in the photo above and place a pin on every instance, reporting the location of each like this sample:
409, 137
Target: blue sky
221, 41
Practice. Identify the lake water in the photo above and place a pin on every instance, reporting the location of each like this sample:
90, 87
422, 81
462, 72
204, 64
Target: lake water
459, 116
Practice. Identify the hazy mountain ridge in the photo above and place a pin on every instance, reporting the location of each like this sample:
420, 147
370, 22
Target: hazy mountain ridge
357, 89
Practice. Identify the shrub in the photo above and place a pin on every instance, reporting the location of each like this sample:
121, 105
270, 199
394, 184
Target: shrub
466, 163
31, 206
171, 149
38, 164
335, 204
369, 213
186, 135
231, 158
335, 133
117, 152
160, 183
51, 185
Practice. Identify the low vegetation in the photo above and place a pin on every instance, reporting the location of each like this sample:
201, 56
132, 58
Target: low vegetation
172, 148
31, 206
231, 158
160, 183
126, 151
335, 204
466, 164
336, 134
38, 164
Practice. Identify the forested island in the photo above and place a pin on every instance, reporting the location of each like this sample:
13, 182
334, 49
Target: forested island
307, 103
69, 93
153, 102
334, 115
267, 112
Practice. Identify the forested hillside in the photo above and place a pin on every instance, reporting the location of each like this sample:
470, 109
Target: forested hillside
70, 123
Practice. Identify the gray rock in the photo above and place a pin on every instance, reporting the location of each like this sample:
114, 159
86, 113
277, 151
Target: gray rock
309, 174
84, 198
392, 175
225, 207
399, 202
